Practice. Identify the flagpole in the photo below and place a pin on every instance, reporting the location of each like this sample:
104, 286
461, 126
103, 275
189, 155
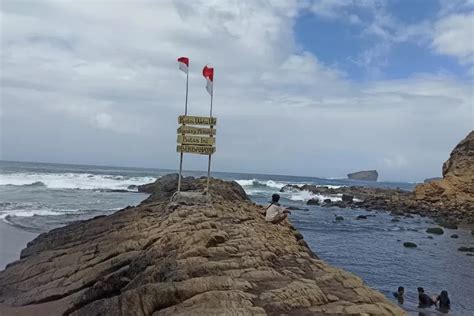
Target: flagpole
209, 161
185, 113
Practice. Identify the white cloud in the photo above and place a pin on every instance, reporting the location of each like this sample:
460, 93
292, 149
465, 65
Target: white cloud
454, 36
281, 110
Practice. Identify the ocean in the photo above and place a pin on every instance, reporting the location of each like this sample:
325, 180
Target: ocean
37, 197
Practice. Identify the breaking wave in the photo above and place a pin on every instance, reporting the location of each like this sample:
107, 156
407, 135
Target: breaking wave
262, 187
84, 181
259, 183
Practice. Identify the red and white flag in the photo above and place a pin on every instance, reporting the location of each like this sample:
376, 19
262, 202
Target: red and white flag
183, 64
208, 73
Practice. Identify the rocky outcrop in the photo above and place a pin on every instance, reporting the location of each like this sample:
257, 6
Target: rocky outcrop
369, 175
450, 201
195, 255
457, 185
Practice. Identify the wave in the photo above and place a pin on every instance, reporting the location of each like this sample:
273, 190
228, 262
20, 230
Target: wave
85, 181
305, 196
257, 183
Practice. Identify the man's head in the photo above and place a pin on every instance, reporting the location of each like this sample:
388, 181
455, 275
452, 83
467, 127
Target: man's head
401, 289
275, 198
421, 290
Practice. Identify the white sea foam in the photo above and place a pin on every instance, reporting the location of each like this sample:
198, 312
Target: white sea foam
267, 183
85, 181
305, 196
330, 186
30, 213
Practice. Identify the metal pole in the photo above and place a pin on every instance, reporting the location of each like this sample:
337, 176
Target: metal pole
185, 113
209, 161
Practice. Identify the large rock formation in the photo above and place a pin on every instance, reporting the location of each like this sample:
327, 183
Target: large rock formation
457, 184
193, 256
369, 175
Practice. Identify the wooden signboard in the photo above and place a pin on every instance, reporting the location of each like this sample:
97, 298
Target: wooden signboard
197, 120
196, 140
196, 130
203, 150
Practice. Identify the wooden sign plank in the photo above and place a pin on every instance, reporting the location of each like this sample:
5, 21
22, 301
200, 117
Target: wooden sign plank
196, 140
197, 120
202, 150
196, 130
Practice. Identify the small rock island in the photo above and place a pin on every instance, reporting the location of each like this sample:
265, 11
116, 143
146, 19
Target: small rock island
368, 175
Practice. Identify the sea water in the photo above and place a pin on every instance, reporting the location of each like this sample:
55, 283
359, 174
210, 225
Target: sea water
37, 197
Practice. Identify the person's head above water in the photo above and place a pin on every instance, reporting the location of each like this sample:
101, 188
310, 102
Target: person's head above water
444, 293
275, 198
421, 290
401, 289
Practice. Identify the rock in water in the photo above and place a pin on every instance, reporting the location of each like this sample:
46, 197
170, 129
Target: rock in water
435, 230
347, 198
466, 249
369, 175
361, 217
210, 257
409, 244
313, 202
455, 236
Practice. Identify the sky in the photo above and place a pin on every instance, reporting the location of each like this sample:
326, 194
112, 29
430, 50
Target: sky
311, 87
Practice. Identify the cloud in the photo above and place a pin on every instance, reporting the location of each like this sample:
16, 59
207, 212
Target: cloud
454, 36
105, 75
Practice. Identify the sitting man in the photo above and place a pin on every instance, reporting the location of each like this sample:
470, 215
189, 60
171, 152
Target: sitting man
276, 213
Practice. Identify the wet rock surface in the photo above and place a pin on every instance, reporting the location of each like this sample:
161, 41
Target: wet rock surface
216, 256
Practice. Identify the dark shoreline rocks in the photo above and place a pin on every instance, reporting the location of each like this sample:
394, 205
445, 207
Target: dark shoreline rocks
194, 255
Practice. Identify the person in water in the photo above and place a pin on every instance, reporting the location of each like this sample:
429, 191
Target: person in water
275, 213
399, 294
443, 302
423, 299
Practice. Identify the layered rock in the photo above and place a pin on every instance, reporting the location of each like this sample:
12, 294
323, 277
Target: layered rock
368, 175
197, 255
457, 184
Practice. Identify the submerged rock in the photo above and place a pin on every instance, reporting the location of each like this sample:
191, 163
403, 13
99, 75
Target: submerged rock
409, 244
455, 236
339, 218
466, 249
187, 254
435, 230
448, 223
361, 217
369, 175
313, 202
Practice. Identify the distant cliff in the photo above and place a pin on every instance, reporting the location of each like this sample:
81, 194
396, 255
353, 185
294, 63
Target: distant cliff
369, 175
192, 256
